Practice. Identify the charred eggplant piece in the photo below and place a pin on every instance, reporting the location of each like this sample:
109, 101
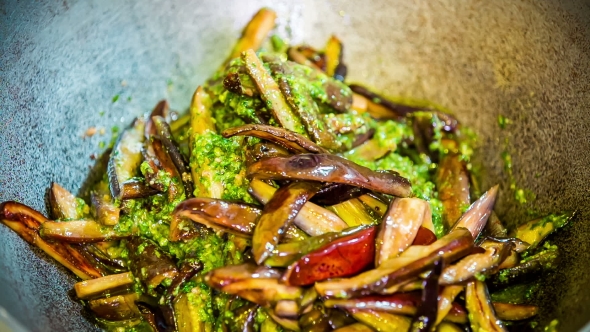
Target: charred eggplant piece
302, 103
445, 301
126, 157
64, 205
400, 227
287, 139
106, 213
26, 222
116, 308
481, 312
233, 83
343, 257
182, 166
91, 288
187, 270
475, 264
271, 93
398, 303
277, 216
425, 318
335, 66
330, 168
507, 311
136, 188
236, 218
288, 253
162, 109
475, 218
267, 150
255, 32
148, 263
223, 276
535, 231
312, 219
79, 231
452, 182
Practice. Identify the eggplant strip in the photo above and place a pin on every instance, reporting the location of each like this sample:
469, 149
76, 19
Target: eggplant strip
187, 270
478, 213
302, 103
64, 204
481, 312
126, 157
261, 291
334, 55
26, 222
255, 32
425, 318
277, 216
296, 56
475, 264
535, 231
161, 109
79, 231
452, 182
398, 303
445, 301
90, 288
335, 193
398, 271
312, 219
267, 150
397, 109
223, 276
507, 311
330, 168
382, 321
235, 218
271, 93
289, 324
150, 264
529, 268
106, 212
175, 188
287, 139
399, 227
116, 308
137, 189
353, 212
182, 166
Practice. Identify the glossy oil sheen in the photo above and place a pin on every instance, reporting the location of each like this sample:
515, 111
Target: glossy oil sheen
63, 63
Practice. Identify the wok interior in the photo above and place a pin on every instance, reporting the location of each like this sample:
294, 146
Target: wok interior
65, 63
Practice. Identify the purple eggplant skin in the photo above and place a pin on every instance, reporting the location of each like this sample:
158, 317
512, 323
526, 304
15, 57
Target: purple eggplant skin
126, 157
188, 269
330, 168
236, 218
335, 193
425, 318
267, 150
223, 276
165, 135
148, 263
277, 216
137, 188
287, 139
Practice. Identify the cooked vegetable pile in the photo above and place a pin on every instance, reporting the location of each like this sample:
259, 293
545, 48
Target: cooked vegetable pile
288, 200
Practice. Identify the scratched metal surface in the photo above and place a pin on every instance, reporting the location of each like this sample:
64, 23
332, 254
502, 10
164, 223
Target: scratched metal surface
63, 62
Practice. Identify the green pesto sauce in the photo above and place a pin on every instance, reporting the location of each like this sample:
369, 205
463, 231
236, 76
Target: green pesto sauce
391, 134
223, 158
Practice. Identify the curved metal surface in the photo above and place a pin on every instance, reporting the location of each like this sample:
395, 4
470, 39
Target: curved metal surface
69, 65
